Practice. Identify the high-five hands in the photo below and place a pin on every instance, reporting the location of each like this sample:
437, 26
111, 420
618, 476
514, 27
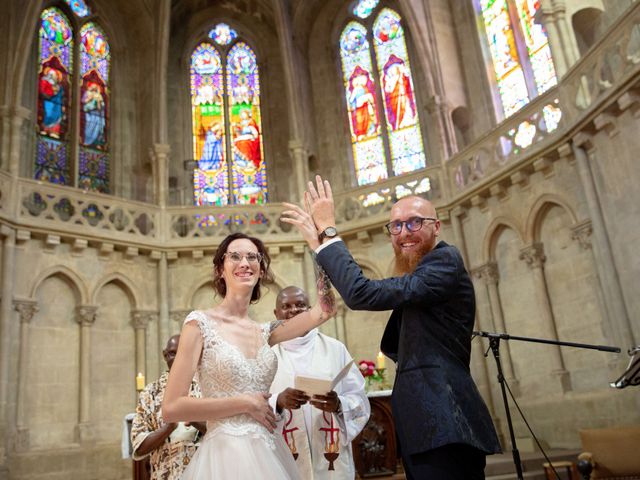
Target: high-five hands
319, 198
317, 215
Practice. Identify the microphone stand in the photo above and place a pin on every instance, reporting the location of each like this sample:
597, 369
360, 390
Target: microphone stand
494, 346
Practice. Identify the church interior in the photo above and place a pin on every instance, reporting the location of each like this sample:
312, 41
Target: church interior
136, 134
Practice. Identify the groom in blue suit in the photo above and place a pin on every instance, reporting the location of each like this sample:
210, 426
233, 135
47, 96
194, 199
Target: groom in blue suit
443, 425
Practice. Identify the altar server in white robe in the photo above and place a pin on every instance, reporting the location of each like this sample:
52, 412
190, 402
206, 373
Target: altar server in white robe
317, 429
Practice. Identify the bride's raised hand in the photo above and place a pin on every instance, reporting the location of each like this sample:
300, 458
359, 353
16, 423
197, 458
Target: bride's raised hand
299, 218
258, 407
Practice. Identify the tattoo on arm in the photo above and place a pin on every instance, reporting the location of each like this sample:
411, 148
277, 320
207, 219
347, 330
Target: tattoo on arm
326, 298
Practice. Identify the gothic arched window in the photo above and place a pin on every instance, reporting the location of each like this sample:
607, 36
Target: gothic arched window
519, 51
72, 140
386, 137
226, 122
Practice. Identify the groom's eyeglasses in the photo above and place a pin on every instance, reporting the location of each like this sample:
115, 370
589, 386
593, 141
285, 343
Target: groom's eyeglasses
236, 257
413, 224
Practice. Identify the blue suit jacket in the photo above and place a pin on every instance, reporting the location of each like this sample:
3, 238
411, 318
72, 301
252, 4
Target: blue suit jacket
435, 401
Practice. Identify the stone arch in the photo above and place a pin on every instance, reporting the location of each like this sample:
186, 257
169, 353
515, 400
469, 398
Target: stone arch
123, 282
538, 211
78, 286
586, 24
493, 233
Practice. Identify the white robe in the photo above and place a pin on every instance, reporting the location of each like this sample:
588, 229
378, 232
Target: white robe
319, 355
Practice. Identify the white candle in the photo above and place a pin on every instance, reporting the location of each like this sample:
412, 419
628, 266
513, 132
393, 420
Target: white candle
140, 381
380, 360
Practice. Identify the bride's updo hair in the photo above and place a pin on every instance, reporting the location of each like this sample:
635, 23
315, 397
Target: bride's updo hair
266, 275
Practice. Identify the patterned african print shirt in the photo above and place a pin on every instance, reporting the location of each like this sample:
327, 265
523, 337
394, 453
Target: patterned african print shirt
169, 460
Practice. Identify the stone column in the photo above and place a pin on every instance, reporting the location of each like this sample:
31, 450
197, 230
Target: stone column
163, 304
613, 297
294, 86
85, 316
484, 382
534, 257
26, 308
6, 320
490, 275
18, 117
140, 321
555, 42
300, 154
159, 154
568, 39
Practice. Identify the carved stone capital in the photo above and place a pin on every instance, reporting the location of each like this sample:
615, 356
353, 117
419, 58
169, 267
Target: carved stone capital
582, 234
140, 318
27, 308
584, 140
488, 273
86, 315
533, 255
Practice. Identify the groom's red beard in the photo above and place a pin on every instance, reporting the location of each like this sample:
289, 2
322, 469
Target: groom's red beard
407, 262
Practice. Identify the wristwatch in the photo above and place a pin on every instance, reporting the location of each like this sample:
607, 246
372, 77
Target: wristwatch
329, 232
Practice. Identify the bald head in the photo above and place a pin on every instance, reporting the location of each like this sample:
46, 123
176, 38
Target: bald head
290, 302
419, 229
169, 352
416, 203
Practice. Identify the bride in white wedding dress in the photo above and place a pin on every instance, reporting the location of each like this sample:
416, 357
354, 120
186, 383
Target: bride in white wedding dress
235, 365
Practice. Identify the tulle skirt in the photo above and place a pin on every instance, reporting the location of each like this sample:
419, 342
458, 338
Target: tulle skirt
222, 456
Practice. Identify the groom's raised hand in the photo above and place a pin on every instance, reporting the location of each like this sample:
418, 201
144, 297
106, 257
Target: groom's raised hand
319, 200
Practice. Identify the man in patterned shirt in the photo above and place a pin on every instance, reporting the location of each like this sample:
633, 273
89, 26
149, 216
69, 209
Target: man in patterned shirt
170, 445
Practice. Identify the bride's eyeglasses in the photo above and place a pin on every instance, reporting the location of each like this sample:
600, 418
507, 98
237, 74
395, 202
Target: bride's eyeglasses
236, 257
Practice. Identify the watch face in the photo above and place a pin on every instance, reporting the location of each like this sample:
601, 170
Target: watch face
330, 232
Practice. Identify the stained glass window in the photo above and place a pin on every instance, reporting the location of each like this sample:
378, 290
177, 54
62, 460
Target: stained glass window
243, 85
518, 79
227, 124
94, 106
79, 7
359, 83
405, 138
394, 146
223, 34
210, 177
538, 49
363, 8
54, 97
58, 145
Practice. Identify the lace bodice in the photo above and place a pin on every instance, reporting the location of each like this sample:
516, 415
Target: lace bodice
224, 371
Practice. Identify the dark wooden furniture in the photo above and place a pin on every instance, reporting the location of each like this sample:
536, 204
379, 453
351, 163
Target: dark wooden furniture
375, 450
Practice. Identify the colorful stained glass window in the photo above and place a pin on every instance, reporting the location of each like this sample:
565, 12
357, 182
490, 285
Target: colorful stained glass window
210, 177
394, 146
363, 8
223, 34
249, 175
94, 109
227, 125
56, 79
517, 79
506, 63
79, 7
364, 120
396, 84
54, 97
535, 38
